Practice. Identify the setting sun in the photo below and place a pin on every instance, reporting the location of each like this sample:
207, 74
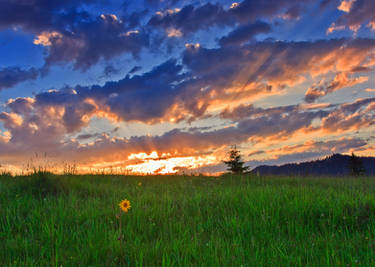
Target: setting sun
152, 164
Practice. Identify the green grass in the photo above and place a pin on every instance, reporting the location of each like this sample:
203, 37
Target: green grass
48, 220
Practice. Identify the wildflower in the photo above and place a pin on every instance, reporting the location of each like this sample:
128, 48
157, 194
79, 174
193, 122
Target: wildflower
125, 205
139, 184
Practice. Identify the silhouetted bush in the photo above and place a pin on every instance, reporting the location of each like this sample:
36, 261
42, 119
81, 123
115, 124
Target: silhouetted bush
41, 184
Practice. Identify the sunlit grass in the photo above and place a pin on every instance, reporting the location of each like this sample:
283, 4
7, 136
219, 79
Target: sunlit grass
186, 221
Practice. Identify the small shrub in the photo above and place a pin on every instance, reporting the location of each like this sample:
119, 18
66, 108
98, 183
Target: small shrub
41, 184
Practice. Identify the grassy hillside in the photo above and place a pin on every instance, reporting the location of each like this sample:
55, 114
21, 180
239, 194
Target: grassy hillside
185, 221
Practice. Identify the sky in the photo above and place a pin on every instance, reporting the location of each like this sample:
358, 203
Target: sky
169, 86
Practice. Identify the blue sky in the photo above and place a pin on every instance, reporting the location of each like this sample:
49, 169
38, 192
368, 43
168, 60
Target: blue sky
166, 86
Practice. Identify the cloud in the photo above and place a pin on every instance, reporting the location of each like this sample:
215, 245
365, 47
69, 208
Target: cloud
41, 125
213, 87
350, 117
87, 42
190, 18
209, 79
45, 38
159, 3
308, 150
11, 76
232, 74
88, 136
244, 111
341, 145
245, 33
250, 10
70, 33
340, 81
147, 98
356, 14
135, 69
278, 123
39, 15
110, 70
281, 122
345, 5
186, 90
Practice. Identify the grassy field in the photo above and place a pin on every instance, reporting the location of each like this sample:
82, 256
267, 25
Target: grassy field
48, 220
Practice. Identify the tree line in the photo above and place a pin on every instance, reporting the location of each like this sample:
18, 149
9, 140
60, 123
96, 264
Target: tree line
236, 165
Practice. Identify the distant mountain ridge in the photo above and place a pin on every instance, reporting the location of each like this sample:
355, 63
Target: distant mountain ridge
335, 165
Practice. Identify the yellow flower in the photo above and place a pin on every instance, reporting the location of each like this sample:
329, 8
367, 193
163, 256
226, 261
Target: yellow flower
125, 205
139, 184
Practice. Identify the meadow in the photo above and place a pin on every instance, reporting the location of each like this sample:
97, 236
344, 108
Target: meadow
75, 220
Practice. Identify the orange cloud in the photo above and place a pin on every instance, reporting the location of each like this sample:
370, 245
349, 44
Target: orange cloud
346, 5
340, 81
45, 38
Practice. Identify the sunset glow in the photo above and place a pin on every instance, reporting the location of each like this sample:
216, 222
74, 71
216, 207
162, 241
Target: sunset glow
172, 165
152, 164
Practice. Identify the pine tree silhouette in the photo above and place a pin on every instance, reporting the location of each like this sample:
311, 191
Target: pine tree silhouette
235, 163
356, 166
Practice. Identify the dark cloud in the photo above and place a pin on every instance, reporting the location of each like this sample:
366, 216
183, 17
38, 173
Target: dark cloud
115, 130
70, 33
251, 10
282, 58
87, 136
135, 69
257, 152
11, 76
89, 41
161, 3
361, 69
39, 15
190, 18
325, 3
21, 105
356, 13
110, 70
145, 97
245, 33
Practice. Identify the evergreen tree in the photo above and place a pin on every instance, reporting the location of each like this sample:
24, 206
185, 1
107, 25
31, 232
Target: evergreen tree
235, 163
355, 166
